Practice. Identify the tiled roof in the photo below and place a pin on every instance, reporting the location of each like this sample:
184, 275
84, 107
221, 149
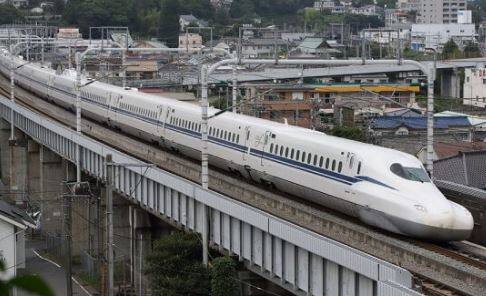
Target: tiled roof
15, 214
394, 122
466, 168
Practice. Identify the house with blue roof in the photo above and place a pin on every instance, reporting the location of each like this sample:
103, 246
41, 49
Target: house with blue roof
399, 125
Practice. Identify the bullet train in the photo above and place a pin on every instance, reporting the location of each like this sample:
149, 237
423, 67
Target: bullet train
382, 187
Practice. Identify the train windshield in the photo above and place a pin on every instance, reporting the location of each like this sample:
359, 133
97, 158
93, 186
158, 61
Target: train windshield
409, 173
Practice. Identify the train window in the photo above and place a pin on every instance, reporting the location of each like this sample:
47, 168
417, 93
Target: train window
333, 164
233, 138
237, 138
340, 166
315, 159
321, 161
287, 152
210, 131
276, 149
309, 157
297, 156
359, 168
199, 127
292, 153
281, 150
327, 163
351, 162
225, 135
271, 148
410, 173
303, 156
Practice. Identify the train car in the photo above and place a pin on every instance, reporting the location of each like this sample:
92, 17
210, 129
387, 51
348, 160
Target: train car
382, 187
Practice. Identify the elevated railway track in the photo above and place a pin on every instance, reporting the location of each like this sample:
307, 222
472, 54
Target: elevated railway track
439, 270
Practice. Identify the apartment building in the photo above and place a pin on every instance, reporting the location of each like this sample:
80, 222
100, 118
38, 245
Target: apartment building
434, 11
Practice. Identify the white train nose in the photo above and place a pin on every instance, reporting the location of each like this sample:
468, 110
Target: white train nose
463, 220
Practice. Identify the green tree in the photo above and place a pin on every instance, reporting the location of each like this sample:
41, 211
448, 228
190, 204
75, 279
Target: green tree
9, 14
175, 268
169, 22
352, 133
451, 50
223, 277
29, 283
472, 50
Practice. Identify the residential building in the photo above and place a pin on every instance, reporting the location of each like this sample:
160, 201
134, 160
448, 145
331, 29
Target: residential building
404, 126
142, 69
187, 19
16, 3
387, 36
436, 35
369, 10
69, 33
475, 87
322, 5
316, 46
190, 41
434, 11
408, 5
450, 9
352, 112
13, 224
304, 104
397, 16
464, 17
263, 48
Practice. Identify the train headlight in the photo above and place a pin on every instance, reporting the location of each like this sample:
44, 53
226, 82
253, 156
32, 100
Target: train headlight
421, 208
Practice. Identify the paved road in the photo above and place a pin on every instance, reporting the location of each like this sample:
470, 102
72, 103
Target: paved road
52, 273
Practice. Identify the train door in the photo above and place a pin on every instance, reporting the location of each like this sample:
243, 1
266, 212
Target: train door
247, 141
351, 163
266, 148
162, 118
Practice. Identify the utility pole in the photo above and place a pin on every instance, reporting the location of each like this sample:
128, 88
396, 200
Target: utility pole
68, 236
74, 190
204, 161
235, 89
109, 222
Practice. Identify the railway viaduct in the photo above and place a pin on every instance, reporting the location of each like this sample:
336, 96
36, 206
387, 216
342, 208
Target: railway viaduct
301, 248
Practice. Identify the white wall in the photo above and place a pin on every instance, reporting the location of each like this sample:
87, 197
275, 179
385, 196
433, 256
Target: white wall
7, 249
475, 87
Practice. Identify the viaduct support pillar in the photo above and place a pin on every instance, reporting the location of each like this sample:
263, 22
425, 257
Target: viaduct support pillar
18, 168
51, 177
450, 83
5, 153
